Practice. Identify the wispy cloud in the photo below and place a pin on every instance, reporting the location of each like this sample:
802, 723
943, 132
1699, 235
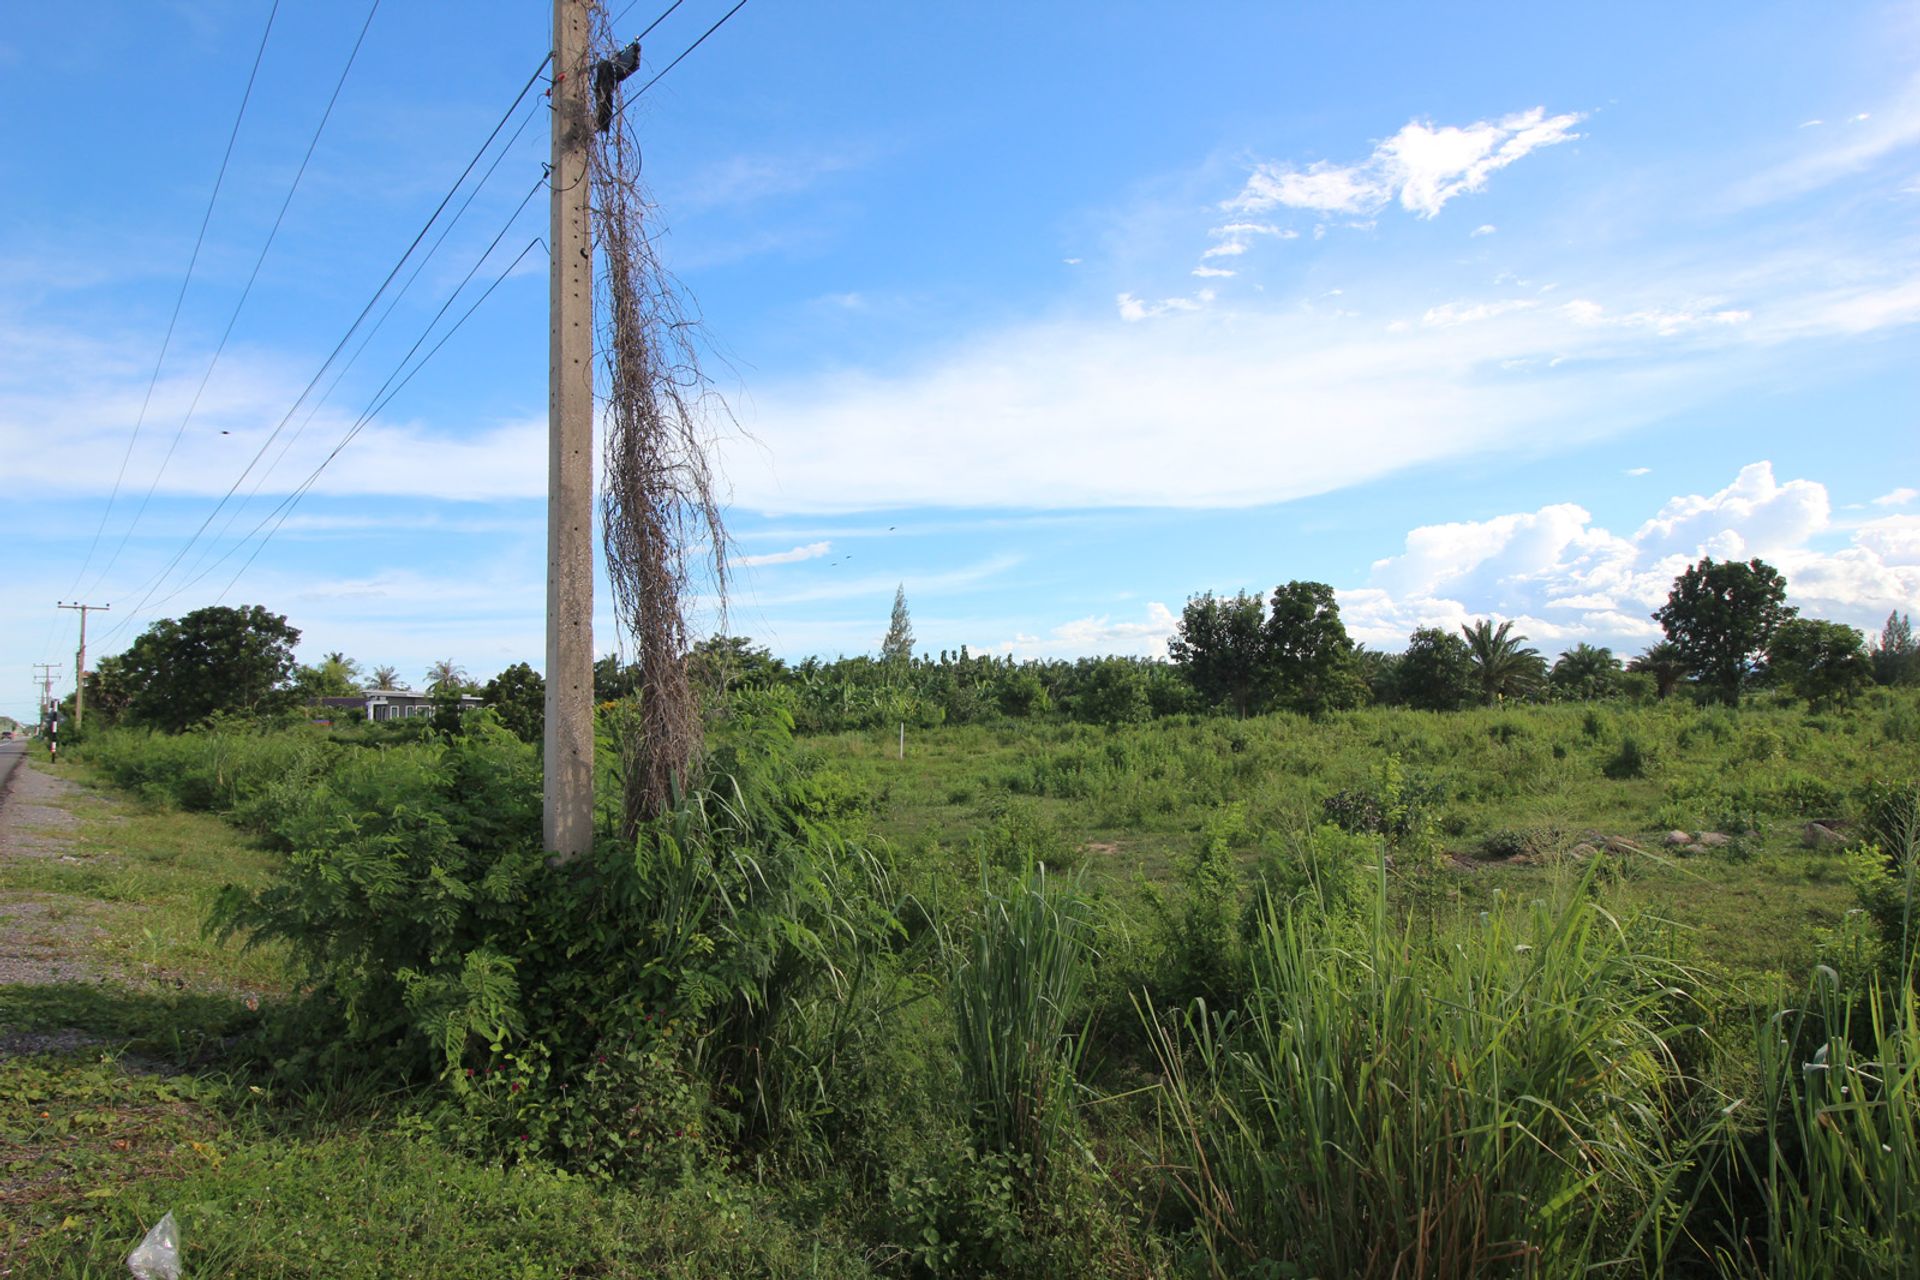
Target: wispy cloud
1832, 154
1423, 166
1898, 498
812, 551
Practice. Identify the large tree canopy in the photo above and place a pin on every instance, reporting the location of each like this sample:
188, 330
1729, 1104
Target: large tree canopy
213, 660
1310, 663
1298, 657
1218, 648
1722, 617
1821, 661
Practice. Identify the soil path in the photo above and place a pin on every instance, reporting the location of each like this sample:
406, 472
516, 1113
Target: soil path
43, 936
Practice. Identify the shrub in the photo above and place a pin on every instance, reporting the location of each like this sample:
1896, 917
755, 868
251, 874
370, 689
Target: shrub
1630, 760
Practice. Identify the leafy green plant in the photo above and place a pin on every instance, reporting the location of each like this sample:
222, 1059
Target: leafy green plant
1016, 978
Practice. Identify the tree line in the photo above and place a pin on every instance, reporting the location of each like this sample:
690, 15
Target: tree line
1727, 627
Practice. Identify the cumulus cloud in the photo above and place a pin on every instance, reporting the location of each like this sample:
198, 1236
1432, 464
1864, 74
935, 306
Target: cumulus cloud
1146, 638
1423, 166
1564, 579
1898, 498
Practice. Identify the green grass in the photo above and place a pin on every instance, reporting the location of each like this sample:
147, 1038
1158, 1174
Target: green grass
144, 876
1135, 798
1432, 1093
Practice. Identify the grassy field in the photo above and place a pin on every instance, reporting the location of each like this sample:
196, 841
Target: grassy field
1537, 935
1513, 791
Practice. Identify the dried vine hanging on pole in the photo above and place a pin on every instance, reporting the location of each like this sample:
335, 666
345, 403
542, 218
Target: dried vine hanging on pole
659, 504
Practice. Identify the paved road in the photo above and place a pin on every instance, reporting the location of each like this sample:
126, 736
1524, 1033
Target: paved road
10, 753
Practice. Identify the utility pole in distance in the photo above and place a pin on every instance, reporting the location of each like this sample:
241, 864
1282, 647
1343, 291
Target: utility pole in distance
80, 663
45, 680
567, 814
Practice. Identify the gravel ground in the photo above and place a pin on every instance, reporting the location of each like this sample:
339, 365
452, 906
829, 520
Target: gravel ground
44, 937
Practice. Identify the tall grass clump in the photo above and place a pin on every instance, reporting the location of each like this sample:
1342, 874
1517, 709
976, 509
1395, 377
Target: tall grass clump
1835, 1168
1016, 982
1495, 1102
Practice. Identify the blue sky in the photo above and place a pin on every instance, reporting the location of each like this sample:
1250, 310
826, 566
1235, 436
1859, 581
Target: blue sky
1056, 314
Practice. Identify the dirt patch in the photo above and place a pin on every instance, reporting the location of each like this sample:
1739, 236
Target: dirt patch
36, 814
44, 937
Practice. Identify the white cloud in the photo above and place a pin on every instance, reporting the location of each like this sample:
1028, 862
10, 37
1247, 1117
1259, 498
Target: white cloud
1423, 165
1898, 498
1098, 635
1213, 273
1232, 248
1639, 471
1451, 313
1133, 309
1564, 579
812, 551
1664, 321
1485, 229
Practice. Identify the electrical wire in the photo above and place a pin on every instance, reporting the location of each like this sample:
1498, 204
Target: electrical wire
340, 346
393, 303
377, 402
293, 499
286, 506
246, 292
683, 53
181, 297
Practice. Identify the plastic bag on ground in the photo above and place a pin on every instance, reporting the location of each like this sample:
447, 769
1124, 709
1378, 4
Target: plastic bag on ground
158, 1257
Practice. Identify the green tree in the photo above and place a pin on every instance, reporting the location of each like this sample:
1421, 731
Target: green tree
1218, 647
385, 677
719, 663
1722, 617
108, 692
446, 675
614, 679
1665, 663
897, 648
1896, 658
1435, 673
331, 677
1823, 662
1113, 691
1307, 662
519, 696
1502, 666
213, 660
1585, 672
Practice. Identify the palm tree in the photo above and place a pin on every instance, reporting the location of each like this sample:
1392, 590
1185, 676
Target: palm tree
1585, 672
385, 677
446, 675
1664, 663
1503, 666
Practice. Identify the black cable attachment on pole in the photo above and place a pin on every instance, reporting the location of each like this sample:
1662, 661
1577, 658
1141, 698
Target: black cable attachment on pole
607, 74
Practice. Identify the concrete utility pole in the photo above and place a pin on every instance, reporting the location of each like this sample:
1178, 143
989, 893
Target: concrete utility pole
80, 663
567, 818
45, 679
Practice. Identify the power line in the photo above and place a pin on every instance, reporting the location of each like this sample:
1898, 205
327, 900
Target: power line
684, 52
181, 297
366, 310
651, 25
286, 446
245, 292
377, 402
373, 410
